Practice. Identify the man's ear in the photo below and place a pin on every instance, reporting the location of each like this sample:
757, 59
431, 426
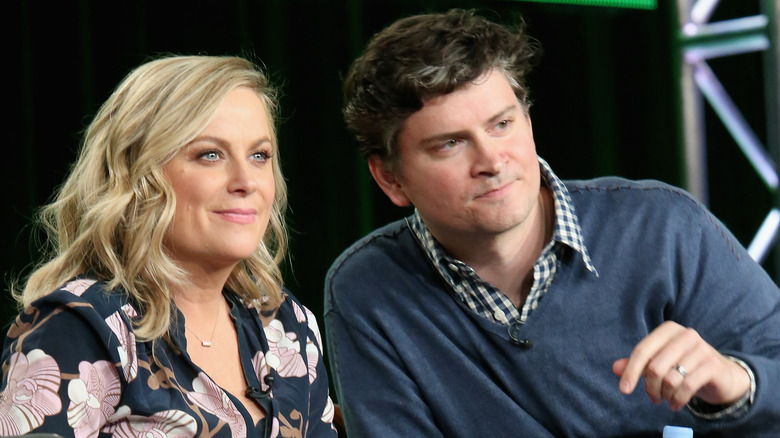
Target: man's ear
387, 181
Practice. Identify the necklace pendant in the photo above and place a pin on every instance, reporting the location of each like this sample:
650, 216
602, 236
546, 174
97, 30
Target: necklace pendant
205, 343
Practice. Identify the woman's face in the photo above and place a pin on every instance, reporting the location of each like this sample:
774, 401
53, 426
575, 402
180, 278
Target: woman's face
224, 186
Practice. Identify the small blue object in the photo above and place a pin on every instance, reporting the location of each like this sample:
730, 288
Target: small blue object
677, 432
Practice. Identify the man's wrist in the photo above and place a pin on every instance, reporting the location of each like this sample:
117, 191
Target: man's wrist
708, 411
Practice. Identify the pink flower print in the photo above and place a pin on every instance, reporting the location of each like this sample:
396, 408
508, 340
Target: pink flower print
117, 417
31, 393
213, 399
93, 397
312, 359
166, 424
78, 287
129, 311
261, 368
312, 321
126, 349
329, 412
284, 351
300, 315
313, 352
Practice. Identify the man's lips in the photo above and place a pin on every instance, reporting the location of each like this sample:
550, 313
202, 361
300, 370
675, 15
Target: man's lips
497, 191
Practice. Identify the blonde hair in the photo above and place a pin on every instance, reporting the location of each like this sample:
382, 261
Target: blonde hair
111, 215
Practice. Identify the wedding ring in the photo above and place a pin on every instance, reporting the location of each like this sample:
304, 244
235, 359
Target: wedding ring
683, 372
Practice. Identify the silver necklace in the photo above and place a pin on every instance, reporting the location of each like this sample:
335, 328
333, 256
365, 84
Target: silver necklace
213, 330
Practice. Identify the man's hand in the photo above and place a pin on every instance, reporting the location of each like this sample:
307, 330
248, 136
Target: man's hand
678, 364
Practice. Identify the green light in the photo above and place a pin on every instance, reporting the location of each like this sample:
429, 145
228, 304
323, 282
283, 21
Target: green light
636, 4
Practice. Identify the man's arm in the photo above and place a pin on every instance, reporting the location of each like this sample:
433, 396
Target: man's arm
720, 347
377, 395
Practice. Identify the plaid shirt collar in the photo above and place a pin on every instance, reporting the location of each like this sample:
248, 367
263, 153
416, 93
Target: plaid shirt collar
567, 229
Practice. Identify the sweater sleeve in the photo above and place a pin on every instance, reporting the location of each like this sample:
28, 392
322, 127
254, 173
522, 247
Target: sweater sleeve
358, 354
735, 306
377, 391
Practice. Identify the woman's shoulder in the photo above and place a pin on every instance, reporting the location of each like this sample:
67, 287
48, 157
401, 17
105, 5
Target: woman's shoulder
82, 310
86, 292
293, 313
291, 303
81, 306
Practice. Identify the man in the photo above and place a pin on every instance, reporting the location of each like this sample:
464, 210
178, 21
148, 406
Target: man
511, 303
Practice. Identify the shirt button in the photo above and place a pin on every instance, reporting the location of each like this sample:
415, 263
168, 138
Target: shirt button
500, 316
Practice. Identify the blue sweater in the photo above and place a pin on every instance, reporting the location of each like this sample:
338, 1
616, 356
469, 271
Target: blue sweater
408, 359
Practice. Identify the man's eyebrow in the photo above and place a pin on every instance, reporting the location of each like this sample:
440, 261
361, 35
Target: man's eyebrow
503, 112
436, 138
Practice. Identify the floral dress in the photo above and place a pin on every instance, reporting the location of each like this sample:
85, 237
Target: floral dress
71, 365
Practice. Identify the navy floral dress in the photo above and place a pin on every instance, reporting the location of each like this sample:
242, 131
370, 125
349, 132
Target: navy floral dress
71, 365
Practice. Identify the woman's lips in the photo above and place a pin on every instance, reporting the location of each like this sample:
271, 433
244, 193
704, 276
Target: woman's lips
238, 216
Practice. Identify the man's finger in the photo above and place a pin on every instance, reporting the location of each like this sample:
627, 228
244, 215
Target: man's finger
644, 352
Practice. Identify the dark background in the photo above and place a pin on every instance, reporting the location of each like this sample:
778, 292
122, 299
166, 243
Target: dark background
606, 101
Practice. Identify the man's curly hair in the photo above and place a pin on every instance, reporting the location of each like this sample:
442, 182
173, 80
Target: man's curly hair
424, 56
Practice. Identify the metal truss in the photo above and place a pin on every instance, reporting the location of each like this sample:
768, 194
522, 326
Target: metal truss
701, 40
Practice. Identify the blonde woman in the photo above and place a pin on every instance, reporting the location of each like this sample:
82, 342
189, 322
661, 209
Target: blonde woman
161, 308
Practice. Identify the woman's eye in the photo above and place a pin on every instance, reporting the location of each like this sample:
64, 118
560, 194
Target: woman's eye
210, 155
261, 156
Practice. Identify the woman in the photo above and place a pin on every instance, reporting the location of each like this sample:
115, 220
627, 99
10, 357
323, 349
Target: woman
161, 309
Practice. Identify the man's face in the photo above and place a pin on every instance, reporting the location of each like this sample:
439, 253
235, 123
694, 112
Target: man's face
467, 162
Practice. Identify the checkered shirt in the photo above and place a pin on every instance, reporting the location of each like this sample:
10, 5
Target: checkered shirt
484, 298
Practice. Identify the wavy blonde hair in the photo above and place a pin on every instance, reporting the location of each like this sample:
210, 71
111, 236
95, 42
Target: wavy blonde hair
110, 217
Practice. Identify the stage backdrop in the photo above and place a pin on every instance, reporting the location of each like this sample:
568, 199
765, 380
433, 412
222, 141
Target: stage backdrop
605, 101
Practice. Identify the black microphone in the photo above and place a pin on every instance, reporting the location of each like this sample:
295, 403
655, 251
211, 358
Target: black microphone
514, 337
254, 392
269, 380
525, 344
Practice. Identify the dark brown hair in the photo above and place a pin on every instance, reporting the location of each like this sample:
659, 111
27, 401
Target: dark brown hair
423, 56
